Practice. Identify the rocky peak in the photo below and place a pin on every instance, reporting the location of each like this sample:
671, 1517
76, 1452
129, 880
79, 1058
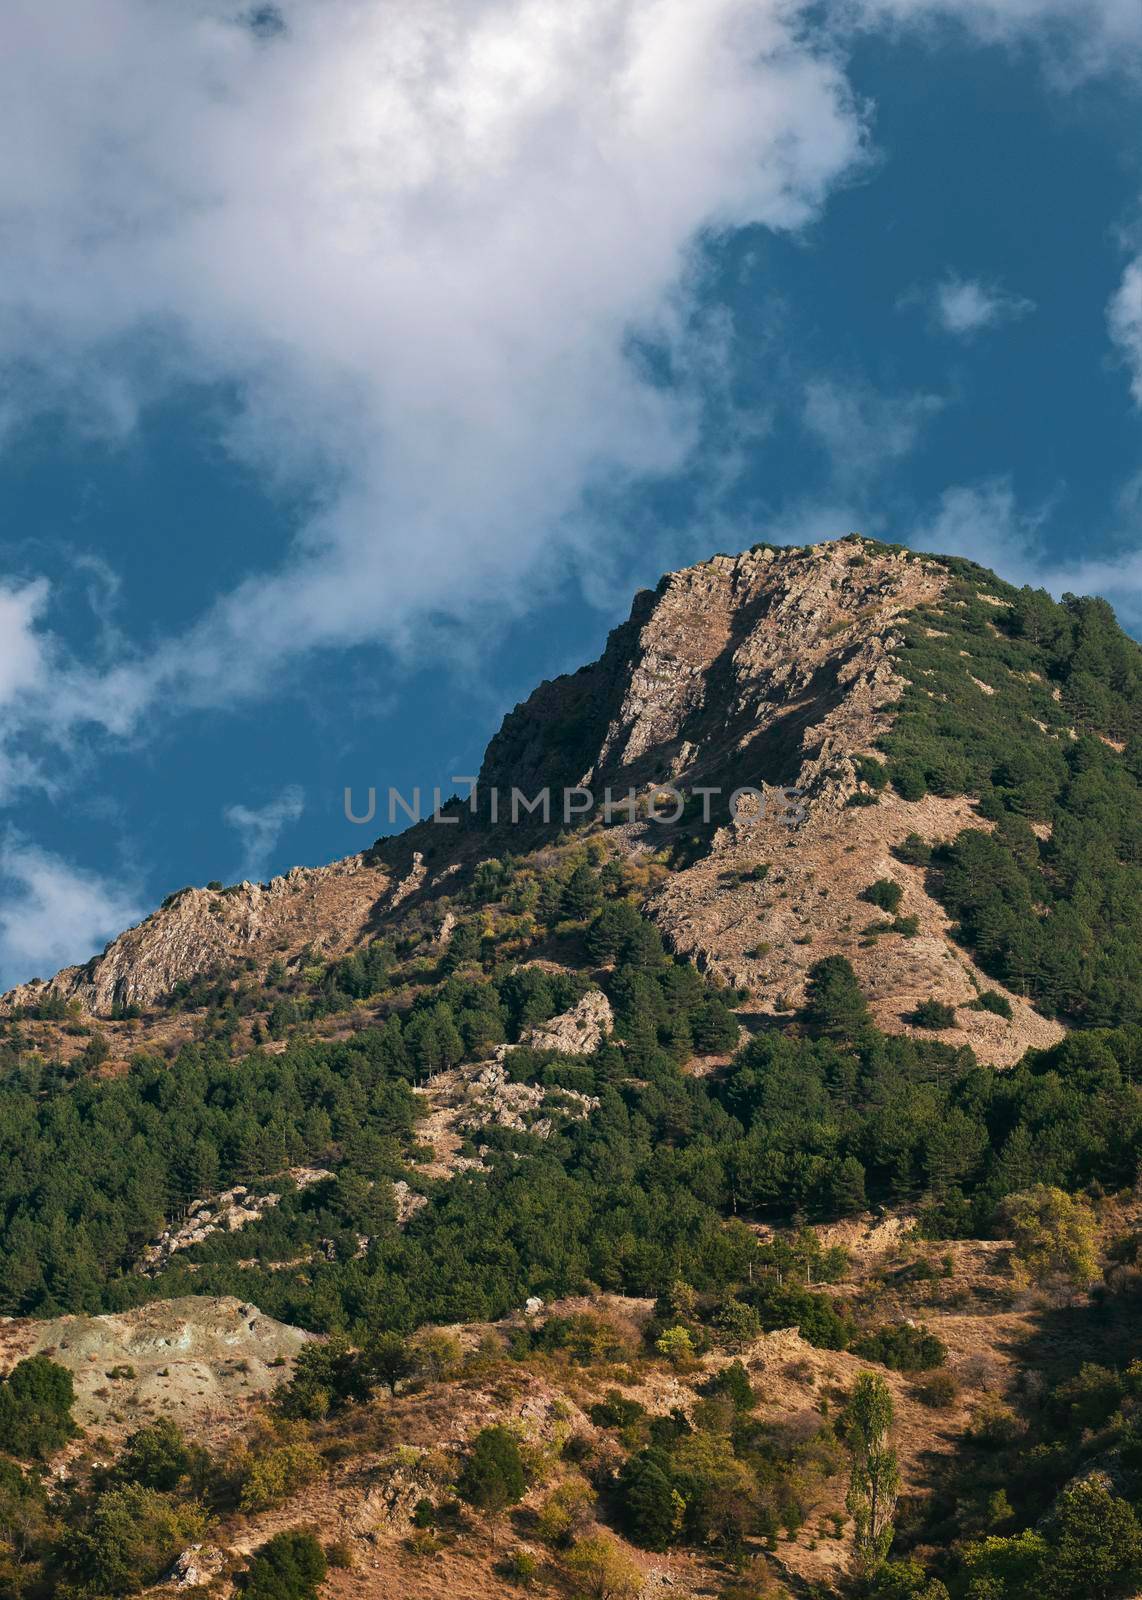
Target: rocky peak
767, 667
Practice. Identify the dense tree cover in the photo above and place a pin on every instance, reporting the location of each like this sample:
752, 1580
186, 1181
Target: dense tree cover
92, 1170
1058, 742
634, 1198
918, 1117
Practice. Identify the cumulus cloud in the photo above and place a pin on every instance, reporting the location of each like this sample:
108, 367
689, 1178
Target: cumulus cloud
985, 523
862, 430
1125, 320
261, 828
53, 914
966, 306
46, 695
414, 240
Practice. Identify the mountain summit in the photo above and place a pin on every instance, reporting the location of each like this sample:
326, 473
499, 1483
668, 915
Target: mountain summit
933, 751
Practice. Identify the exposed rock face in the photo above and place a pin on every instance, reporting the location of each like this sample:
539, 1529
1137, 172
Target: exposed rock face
201, 930
225, 1213
196, 1358
409, 1202
772, 666
578, 1031
197, 1567
466, 1099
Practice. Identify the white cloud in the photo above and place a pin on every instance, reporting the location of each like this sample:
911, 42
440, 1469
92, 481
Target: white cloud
1077, 38
964, 306
1125, 320
414, 239
53, 914
985, 523
261, 828
863, 430
22, 657
24, 673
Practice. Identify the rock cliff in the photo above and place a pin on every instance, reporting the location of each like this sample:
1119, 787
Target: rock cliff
198, 931
769, 667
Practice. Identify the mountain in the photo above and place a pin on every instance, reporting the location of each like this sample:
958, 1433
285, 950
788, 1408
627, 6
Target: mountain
778, 668
624, 1202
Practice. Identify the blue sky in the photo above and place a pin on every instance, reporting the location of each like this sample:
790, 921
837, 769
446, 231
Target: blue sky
358, 362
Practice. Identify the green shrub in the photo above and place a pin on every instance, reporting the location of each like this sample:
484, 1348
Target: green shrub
933, 1014
871, 771
290, 1566
156, 1456
938, 1392
908, 779
903, 1347
992, 1000
271, 1478
130, 1539
835, 1004
884, 893
616, 1411
493, 1476
520, 1567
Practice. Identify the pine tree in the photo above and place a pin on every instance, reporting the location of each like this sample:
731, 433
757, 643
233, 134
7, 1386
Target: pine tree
835, 1005
651, 1506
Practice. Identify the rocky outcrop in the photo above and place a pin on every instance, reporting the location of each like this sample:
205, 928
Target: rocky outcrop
467, 1099
199, 931
197, 1567
408, 1201
200, 1359
577, 1032
770, 667
225, 1213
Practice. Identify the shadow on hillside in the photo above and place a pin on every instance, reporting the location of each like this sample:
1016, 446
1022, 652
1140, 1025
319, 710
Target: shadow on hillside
1062, 1338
